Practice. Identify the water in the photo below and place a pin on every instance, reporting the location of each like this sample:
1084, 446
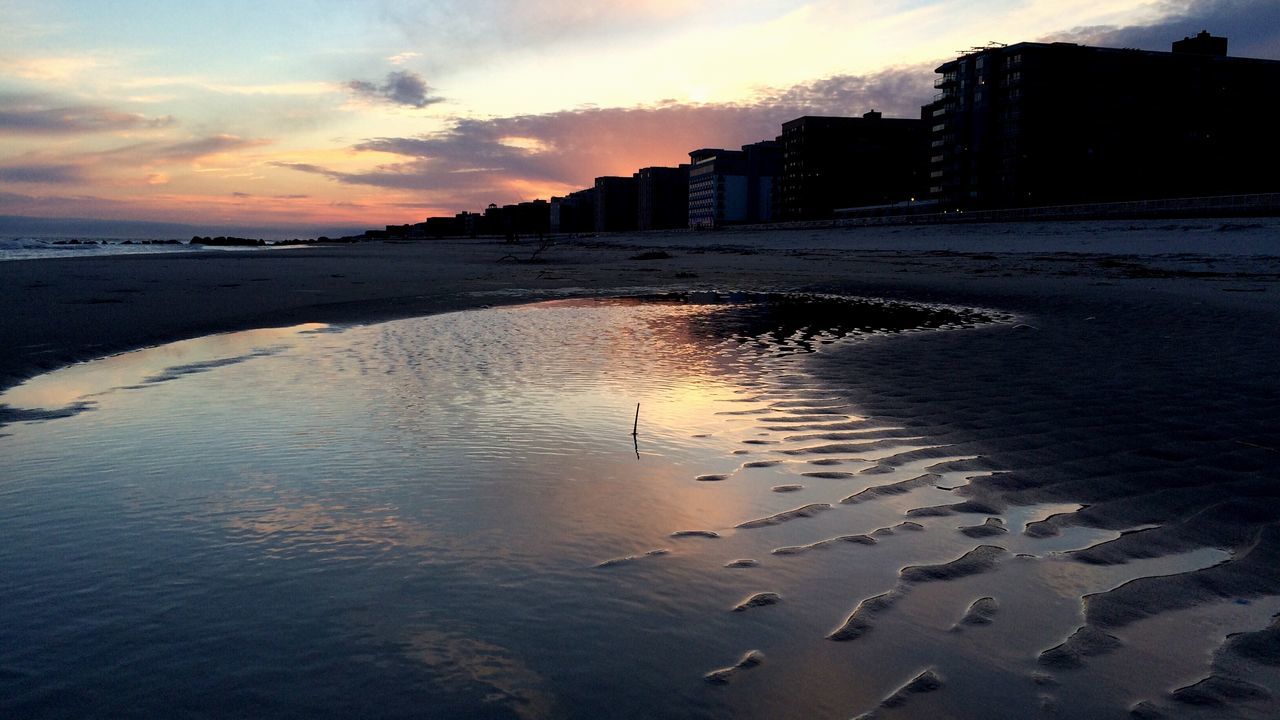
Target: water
448, 517
35, 248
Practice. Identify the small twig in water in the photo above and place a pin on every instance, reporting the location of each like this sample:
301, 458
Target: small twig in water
635, 429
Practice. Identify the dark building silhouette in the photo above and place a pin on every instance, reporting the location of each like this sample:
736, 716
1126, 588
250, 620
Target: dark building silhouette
1202, 44
415, 231
494, 221
533, 217
443, 226
662, 198
1043, 124
733, 186
526, 218
840, 162
615, 204
468, 223
575, 212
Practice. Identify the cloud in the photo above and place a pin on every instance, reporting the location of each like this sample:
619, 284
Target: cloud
402, 58
456, 36
1251, 26
476, 161
35, 115
897, 92
121, 166
502, 24
147, 154
401, 88
49, 68
59, 205
52, 174
202, 147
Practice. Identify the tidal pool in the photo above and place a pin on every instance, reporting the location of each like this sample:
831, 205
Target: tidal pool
449, 517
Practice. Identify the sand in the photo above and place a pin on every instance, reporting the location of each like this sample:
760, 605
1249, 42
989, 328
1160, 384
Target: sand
58, 311
1137, 379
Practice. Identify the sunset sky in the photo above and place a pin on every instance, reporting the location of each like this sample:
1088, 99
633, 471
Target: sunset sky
327, 113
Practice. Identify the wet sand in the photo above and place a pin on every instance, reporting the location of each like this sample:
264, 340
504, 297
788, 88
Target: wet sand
1137, 380
58, 311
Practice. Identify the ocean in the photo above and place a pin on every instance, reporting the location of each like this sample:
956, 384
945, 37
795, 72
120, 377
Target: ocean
33, 248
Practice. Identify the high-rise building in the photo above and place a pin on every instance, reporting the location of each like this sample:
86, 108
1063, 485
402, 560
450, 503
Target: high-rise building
840, 162
662, 198
1037, 124
615, 204
733, 186
574, 213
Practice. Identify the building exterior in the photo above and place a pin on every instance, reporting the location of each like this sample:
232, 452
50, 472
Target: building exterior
443, 226
733, 186
841, 162
469, 223
494, 221
662, 198
1036, 124
574, 213
531, 218
615, 201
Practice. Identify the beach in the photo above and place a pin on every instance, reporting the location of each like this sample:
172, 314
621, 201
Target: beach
1131, 381
66, 310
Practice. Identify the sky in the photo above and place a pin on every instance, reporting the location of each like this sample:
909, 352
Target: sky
307, 114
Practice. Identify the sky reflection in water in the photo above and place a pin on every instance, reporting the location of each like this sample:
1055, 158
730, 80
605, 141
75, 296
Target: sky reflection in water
407, 518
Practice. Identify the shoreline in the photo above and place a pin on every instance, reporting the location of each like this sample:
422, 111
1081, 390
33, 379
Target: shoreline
67, 310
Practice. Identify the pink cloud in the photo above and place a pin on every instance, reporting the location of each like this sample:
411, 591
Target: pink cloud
36, 115
502, 159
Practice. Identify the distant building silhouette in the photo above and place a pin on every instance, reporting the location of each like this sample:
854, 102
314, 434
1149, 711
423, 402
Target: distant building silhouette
615, 204
841, 162
493, 221
532, 217
469, 223
526, 218
733, 186
1042, 124
575, 212
438, 227
1202, 44
662, 198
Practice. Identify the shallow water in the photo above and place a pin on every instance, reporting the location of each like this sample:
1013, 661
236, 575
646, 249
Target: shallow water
448, 516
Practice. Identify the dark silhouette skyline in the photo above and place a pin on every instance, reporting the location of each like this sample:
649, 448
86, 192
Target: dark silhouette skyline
1017, 126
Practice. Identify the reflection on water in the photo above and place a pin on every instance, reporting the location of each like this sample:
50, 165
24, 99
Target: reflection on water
415, 517
84, 382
